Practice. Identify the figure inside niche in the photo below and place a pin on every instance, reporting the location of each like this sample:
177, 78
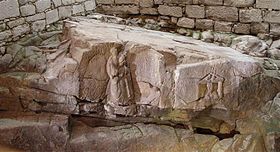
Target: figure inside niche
119, 89
213, 86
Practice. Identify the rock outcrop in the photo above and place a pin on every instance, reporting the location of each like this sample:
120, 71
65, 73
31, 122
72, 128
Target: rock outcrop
152, 81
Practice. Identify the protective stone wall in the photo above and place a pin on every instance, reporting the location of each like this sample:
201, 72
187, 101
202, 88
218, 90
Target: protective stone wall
20, 17
238, 16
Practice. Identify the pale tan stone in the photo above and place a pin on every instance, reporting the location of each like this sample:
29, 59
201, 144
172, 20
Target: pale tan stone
170, 11
195, 11
186, 22
222, 13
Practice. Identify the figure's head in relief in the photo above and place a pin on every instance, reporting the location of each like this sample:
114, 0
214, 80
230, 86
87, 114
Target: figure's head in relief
114, 51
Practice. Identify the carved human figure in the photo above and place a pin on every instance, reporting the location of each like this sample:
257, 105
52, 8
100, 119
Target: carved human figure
213, 92
119, 89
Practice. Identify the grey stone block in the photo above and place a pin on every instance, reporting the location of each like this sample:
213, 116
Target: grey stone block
195, 11
27, 10
250, 15
2, 27
8, 9
68, 2
239, 3
20, 30
204, 24
16, 22
42, 5
90, 5
5, 34
257, 28
57, 3
136, 2
170, 10
270, 4
52, 16
105, 1
222, 13
38, 25
65, 11
78, 9
272, 16
241, 28
186, 22
221, 26
36, 17
275, 29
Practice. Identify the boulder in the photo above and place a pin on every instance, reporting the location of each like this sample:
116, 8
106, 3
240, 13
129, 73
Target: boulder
250, 45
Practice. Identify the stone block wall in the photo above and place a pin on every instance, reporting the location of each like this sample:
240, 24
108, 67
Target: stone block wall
20, 17
237, 16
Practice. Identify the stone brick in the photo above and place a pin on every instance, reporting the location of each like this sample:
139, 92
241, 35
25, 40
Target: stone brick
69, 2
136, 2
149, 11
90, 5
239, 3
221, 26
204, 24
275, 29
9, 8
210, 2
177, 1
78, 9
250, 15
146, 3
16, 22
174, 20
57, 3
259, 28
22, 2
65, 11
124, 9
170, 11
20, 30
27, 10
223, 13
52, 16
79, 1
195, 11
5, 35
270, 4
105, 1
38, 25
272, 16
158, 2
241, 28
36, 17
42, 5
2, 27
186, 22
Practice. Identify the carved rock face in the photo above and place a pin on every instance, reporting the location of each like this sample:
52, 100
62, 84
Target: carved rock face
167, 71
151, 73
135, 75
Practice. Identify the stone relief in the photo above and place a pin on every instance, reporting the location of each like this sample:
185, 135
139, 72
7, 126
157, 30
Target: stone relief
119, 90
211, 87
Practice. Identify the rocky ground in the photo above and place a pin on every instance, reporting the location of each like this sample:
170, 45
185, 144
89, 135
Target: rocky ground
173, 93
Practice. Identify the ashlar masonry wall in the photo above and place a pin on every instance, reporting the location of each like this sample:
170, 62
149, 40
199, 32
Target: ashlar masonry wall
237, 16
20, 17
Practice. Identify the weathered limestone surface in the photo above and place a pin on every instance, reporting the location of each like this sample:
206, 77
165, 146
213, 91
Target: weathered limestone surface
133, 75
122, 70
